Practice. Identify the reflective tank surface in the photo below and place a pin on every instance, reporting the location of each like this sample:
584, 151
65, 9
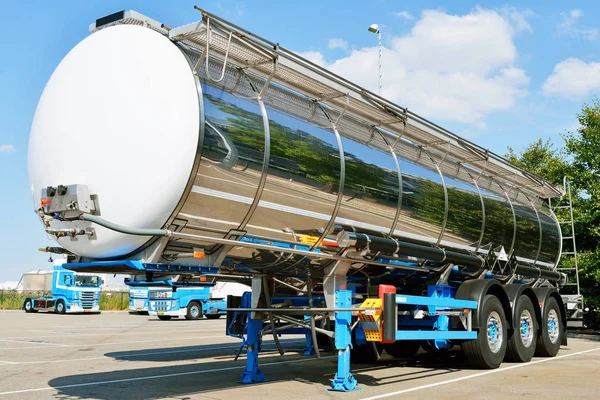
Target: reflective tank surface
303, 179
265, 160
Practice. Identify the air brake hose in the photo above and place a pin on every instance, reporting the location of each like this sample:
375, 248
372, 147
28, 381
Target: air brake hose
123, 229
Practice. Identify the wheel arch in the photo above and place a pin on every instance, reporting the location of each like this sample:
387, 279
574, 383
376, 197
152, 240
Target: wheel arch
477, 290
514, 292
544, 294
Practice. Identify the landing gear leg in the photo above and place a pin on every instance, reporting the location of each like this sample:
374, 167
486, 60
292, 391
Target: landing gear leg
344, 381
252, 373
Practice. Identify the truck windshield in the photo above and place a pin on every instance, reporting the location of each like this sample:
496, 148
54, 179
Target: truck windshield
86, 281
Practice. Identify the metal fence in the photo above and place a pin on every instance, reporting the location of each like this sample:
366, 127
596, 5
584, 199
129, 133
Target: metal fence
109, 300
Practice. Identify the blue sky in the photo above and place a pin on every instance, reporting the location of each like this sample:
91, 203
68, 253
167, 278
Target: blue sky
498, 73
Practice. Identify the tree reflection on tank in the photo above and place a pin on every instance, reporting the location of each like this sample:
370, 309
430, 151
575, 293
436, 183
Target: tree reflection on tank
303, 183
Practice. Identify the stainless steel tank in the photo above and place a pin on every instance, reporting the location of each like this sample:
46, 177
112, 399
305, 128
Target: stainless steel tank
383, 190
283, 152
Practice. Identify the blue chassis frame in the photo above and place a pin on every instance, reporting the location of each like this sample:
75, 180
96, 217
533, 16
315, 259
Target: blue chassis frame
436, 327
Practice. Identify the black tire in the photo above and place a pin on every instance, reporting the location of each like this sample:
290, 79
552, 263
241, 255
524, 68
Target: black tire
165, 317
27, 305
551, 330
488, 350
367, 353
213, 316
60, 307
522, 342
402, 348
194, 311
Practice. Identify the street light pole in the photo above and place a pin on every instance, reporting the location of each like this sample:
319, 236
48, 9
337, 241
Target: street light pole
375, 29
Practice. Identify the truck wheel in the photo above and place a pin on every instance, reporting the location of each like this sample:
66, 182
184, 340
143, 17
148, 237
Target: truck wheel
552, 330
194, 310
60, 308
27, 306
213, 316
164, 317
521, 344
402, 348
488, 350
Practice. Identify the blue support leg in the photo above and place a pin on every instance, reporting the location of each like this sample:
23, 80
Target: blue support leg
252, 373
343, 381
309, 348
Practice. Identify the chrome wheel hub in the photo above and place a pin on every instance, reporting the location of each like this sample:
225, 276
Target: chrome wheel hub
553, 326
526, 328
494, 332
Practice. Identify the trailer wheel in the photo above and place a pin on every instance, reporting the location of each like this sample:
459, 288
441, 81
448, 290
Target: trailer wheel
194, 311
60, 308
164, 317
402, 348
27, 306
522, 343
552, 330
213, 316
488, 350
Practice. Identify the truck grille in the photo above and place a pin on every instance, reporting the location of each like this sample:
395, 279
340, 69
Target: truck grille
161, 305
87, 300
139, 304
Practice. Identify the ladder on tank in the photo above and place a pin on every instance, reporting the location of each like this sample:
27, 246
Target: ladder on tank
570, 292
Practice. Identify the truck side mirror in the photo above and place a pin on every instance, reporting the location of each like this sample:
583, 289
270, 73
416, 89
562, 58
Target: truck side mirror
99, 282
68, 280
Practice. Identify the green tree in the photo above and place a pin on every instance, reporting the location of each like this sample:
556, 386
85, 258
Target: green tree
542, 159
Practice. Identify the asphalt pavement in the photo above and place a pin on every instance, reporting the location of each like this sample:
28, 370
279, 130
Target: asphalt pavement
115, 355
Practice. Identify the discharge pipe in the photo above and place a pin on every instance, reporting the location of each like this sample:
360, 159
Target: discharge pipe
473, 262
393, 246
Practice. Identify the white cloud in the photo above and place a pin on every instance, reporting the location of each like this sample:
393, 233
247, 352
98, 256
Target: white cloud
404, 15
338, 44
518, 18
456, 68
7, 148
570, 27
313, 56
573, 79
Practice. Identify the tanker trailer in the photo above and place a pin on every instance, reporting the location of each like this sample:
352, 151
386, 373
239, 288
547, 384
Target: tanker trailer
206, 146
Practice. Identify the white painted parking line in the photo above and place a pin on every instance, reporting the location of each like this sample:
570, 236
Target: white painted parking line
32, 342
463, 378
144, 378
152, 353
112, 343
74, 333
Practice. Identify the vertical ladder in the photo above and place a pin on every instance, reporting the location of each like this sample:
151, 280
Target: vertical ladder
570, 292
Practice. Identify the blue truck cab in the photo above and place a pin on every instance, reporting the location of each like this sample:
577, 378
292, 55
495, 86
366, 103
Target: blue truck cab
71, 292
138, 299
168, 299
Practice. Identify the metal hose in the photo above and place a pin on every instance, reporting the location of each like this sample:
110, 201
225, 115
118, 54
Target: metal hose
123, 229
